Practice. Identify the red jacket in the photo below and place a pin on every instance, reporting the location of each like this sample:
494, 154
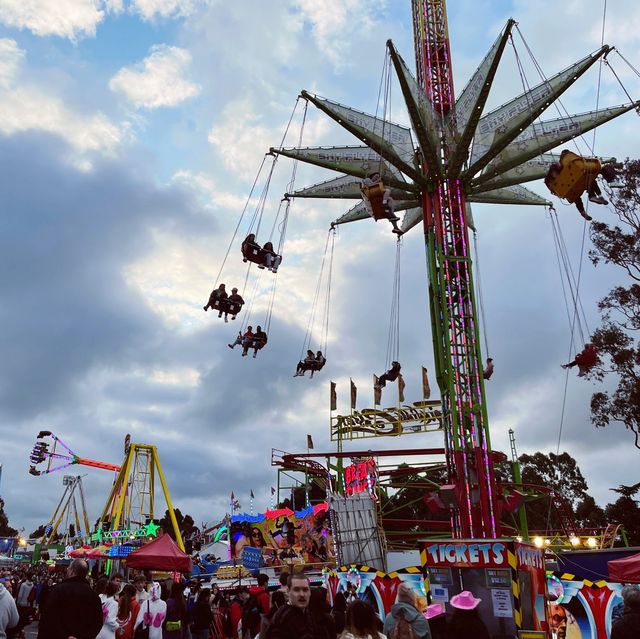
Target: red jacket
262, 597
588, 357
235, 614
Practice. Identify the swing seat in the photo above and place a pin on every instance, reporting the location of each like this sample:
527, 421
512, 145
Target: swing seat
233, 308
252, 254
372, 197
575, 176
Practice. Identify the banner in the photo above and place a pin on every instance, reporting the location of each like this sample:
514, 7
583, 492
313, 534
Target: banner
334, 397
354, 395
426, 390
377, 391
285, 537
401, 386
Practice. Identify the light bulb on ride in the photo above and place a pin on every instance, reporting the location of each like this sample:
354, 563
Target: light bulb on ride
547, 542
538, 542
574, 541
591, 542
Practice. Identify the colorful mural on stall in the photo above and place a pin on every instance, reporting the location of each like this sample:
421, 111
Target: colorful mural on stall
583, 608
377, 588
285, 537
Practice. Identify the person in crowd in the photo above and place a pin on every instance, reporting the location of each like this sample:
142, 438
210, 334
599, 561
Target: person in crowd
236, 300
405, 613
305, 364
217, 295
283, 578
152, 612
109, 611
437, 618
339, 611
278, 599
250, 248
465, 621
389, 376
72, 609
24, 601
140, 584
235, 610
488, 369
319, 611
261, 593
9, 617
219, 607
293, 621
627, 626
128, 609
350, 594
202, 615
361, 622
270, 258
585, 360
117, 579
177, 617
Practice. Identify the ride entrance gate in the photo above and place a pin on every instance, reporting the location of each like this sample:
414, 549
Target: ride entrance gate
508, 576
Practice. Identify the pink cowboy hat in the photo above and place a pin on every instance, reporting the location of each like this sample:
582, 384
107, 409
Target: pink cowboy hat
434, 610
464, 601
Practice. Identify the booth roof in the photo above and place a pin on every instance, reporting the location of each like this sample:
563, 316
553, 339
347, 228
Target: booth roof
160, 554
626, 570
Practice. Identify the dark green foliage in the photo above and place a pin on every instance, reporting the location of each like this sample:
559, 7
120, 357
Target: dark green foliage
5, 529
617, 338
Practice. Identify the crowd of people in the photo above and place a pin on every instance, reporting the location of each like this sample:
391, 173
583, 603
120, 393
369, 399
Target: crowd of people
76, 605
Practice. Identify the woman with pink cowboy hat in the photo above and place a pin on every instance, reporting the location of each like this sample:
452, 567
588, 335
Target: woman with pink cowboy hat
436, 615
465, 621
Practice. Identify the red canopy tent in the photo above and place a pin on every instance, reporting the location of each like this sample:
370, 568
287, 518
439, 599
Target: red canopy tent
160, 554
627, 569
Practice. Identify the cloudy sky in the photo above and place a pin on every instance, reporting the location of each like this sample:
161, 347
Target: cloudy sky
130, 134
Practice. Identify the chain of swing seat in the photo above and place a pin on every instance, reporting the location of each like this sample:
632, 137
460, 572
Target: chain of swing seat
308, 337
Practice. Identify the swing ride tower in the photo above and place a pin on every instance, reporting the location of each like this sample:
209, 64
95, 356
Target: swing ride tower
460, 155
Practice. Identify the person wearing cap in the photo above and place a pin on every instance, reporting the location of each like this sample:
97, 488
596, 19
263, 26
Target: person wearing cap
465, 621
234, 300
405, 610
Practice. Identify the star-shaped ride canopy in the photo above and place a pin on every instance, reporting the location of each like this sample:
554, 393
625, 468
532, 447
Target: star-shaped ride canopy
493, 154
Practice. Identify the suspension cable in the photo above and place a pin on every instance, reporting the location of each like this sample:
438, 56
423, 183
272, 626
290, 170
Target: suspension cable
324, 338
308, 336
480, 295
393, 339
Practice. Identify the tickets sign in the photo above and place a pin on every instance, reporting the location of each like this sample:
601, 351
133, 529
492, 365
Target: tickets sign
360, 477
466, 554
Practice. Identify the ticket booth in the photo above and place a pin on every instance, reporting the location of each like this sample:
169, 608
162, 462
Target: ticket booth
508, 576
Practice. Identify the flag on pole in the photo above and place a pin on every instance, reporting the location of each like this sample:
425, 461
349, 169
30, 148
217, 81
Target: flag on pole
426, 391
334, 398
252, 496
354, 394
273, 490
309, 442
401, 386
377, 391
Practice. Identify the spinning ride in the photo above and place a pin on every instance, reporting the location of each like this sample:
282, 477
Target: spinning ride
462, 156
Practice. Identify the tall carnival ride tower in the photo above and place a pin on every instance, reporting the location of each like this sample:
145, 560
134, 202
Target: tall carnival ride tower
459, 156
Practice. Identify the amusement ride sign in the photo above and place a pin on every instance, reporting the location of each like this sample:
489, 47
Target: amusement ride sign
360, 477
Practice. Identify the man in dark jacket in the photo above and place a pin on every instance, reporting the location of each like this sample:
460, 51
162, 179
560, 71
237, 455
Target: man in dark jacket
72, 608
627, 626
294, 621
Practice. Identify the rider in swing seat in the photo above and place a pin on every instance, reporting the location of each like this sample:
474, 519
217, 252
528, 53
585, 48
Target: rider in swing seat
250, 248
585, 360
390, 376
234, 304
573, 175
270, 258
388, 205
218, 296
